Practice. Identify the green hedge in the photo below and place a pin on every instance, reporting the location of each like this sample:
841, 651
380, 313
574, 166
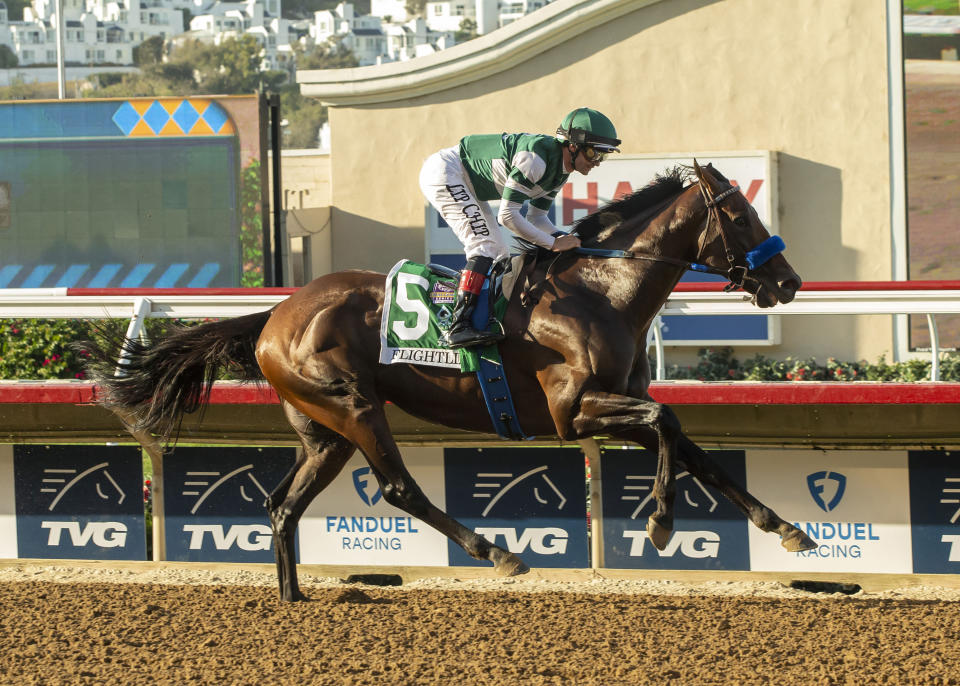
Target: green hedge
41, 349
719, 364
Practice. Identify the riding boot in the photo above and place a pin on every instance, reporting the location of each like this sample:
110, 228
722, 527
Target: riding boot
461, 333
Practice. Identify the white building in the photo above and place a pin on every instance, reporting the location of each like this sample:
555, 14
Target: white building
372, 39
216, 21
489, 15
96, 32
105, 32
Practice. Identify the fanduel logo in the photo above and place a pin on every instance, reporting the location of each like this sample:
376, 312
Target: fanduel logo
103, 534
693, 544
248, 537
549, 540
362, 483
826, 489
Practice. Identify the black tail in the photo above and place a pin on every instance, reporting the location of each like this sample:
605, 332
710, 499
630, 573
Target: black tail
156, 384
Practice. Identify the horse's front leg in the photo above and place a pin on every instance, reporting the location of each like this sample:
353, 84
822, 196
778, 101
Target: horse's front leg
702, 466
626, 417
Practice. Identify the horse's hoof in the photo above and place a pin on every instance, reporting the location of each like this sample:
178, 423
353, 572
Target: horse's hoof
658, 535
507, 564
796, 541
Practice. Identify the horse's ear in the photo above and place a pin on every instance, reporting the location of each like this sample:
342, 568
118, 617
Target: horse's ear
697, 170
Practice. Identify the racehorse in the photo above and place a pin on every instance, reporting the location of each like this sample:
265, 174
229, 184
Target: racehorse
575, 355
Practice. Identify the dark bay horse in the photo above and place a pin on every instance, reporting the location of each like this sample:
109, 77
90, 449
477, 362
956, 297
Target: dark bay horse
575, 356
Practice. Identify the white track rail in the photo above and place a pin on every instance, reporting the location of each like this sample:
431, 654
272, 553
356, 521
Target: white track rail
56, 303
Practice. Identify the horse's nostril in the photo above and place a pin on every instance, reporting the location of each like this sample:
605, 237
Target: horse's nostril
791, 285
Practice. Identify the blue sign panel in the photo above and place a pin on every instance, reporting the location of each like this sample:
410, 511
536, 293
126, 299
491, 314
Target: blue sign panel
214, 500
707, 328
935, 511
709, 531
530, 501
79, 502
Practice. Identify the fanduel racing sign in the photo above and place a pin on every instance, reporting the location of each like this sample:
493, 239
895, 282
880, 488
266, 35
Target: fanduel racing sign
74, 502
350, 523
214, 502
854, 504
709, 531
530, 501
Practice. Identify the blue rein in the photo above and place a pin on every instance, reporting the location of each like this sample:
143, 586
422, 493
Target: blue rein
755, 258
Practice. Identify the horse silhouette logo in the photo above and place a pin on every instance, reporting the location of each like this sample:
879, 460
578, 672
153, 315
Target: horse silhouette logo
362, 484
826, 489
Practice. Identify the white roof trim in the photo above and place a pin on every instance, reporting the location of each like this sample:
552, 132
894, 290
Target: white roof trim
476, 59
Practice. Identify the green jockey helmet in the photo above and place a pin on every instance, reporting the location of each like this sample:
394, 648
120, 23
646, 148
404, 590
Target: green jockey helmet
584, 126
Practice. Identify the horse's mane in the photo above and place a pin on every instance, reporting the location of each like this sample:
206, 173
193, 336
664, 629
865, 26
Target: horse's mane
664, 186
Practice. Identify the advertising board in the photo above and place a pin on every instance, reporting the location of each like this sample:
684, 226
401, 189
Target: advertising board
935, 511
350, 523
530, 501
709, 531
214, 502
131, 193
854, 504
79, 502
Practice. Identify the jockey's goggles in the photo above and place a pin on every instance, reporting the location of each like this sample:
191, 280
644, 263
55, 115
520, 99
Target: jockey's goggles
596, 153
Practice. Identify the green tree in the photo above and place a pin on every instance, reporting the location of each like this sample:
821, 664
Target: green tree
149, 51
416, 8
467, 30
20, 90
329, 55
251, 226
231, 67
8, 59
304, 118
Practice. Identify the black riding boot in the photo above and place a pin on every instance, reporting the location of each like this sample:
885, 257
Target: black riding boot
461, 333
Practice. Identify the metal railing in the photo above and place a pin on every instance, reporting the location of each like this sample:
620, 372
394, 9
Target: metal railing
928, 298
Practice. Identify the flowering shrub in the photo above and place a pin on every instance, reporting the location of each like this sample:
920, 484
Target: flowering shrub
40, 348
718, 364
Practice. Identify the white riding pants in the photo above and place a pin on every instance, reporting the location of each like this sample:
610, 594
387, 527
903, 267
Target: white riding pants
447, 187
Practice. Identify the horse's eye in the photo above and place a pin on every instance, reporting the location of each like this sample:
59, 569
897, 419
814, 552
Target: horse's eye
740, 221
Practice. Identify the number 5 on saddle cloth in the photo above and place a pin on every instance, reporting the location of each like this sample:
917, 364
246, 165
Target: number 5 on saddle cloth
418, 307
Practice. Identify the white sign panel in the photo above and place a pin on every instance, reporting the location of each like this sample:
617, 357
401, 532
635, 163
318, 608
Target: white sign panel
620, 175
8, 512
350, 523
854, 504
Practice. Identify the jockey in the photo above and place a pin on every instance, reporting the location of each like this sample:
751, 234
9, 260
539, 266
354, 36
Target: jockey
513, 168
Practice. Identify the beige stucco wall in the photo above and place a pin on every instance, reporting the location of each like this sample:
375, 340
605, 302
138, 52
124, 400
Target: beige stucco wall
807, 79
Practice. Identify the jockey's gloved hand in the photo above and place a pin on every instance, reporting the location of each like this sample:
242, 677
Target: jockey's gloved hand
565, 241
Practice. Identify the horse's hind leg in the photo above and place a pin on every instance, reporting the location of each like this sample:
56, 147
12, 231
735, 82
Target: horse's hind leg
702, 466
323, 456
373, 437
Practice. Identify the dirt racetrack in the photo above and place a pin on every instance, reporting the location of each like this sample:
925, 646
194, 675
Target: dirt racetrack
137, 633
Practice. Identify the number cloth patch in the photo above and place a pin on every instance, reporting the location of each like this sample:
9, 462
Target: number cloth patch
417, 309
